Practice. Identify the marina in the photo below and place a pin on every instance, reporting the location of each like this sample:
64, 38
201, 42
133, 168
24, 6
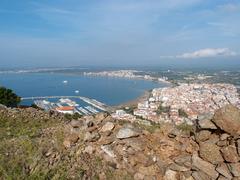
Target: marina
66, 105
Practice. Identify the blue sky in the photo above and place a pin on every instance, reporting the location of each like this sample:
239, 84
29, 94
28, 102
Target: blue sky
118, 32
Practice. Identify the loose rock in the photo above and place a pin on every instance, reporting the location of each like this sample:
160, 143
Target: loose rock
126, 133
171, 175
228, 119
235, 169
223, 170
203, 135
107, 127
204, 166
204, 121
230, 154
210, 152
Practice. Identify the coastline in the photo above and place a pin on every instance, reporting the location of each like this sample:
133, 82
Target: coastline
134, 102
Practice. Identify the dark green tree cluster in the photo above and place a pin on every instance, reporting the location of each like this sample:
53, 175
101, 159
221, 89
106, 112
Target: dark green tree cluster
8, 97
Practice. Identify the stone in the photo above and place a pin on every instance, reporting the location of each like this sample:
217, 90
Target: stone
70, 140
2, 107
223, 170
174, 133
228, 119
199, 175
238, 146
204, 121
91, 137
162, 166
192, 146
187, 175
235, 169
106, 140
100, 116
143, 159
107, 127
108, 150
170, 175
76, 123
126, 133
92, 128
222, 143
176, 167
214, 139
236, 178
148, 171
89, 149
138, 176
210, 152
204, 166
224, 136
184, 160
222, 178
230, 154
203, 135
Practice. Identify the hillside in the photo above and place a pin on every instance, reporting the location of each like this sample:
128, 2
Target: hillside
39, 145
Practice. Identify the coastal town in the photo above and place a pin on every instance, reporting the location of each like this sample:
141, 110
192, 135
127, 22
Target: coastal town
130, 74
173, 104
183, 103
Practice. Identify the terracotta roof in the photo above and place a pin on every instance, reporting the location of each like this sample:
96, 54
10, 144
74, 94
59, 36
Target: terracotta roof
65, 108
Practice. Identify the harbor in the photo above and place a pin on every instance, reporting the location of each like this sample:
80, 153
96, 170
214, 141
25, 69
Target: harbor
66, 104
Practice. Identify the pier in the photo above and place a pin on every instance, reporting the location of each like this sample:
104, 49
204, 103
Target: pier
93, 102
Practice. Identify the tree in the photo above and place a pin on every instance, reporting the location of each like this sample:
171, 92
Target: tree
8, 97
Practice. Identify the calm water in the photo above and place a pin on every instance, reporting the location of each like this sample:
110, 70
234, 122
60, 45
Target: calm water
112, 91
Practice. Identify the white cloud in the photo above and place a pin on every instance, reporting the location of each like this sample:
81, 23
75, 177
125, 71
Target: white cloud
210, 52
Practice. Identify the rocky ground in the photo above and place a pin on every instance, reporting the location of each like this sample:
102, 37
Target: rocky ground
38, 145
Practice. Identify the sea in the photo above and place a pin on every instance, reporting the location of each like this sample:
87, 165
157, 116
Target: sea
111, 91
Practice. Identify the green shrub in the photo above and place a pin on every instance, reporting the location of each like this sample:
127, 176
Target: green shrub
8, 97
185, 127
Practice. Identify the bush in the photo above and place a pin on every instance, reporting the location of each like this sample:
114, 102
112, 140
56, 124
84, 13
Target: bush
8, 97
185, 127
76, 116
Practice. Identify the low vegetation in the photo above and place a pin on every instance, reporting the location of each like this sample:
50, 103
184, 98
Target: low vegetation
185, 127
22, 144
8, 97
72, 116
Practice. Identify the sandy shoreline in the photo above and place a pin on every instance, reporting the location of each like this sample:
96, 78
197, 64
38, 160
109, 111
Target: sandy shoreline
134, 102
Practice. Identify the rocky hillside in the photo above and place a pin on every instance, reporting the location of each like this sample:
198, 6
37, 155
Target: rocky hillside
37, 145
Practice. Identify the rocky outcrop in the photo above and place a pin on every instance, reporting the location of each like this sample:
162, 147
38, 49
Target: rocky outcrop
218, 140
101, 147
228, 119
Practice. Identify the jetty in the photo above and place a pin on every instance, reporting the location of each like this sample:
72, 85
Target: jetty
93, 102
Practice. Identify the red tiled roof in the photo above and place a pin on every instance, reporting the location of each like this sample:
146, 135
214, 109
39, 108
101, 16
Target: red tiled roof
65, 108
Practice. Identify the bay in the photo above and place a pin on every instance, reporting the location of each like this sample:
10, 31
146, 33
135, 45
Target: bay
111, 91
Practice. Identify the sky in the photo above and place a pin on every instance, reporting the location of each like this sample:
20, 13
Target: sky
41, 33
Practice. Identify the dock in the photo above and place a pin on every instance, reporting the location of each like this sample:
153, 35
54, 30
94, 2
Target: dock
93, 107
